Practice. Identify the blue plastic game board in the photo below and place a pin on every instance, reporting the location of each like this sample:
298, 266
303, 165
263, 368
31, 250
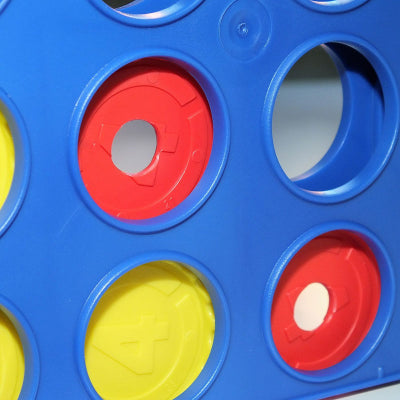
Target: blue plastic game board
243, 221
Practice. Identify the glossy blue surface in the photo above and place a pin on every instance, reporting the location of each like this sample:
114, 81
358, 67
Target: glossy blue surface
58, 248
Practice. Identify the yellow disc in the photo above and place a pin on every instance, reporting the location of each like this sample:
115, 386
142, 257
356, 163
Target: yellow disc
12, 363
7, 159
150, 335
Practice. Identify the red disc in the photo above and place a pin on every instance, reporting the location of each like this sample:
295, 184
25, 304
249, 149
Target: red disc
167, 97
347, 267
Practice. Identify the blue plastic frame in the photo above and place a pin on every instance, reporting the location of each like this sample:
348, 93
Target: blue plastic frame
245, 218
222, 328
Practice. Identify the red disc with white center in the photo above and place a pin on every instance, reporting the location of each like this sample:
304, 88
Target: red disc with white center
168, 98
345, 265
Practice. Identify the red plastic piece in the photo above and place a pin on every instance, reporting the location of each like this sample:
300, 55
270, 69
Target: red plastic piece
167, 97
347, 267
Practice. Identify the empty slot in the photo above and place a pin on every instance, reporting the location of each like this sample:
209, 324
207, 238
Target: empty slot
333, 123
151, 12
118, 3
307, 113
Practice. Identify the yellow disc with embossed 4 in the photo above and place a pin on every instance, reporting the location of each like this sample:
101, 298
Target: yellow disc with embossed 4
12, 363
7, 159
151, 334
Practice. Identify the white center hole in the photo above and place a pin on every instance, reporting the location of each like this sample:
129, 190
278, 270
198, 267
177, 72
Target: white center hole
134, 146
311, 307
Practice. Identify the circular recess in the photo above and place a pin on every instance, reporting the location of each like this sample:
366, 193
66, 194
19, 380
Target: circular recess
12, 362
353, 158
191, 143
19, 359
150, 333
171, 101
332, 5
347, 268
14, 161
328, 303
147, 12
7, 159
304, 127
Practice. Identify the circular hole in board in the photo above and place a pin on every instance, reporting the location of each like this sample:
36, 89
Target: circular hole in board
14, 161
331, 137
307, 113
332, 6
118, 3
12, 361
150, 111
147, 12
150, 334
7, 159
326, 301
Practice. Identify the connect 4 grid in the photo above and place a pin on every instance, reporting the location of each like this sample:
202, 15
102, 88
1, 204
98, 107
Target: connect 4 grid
195, 275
